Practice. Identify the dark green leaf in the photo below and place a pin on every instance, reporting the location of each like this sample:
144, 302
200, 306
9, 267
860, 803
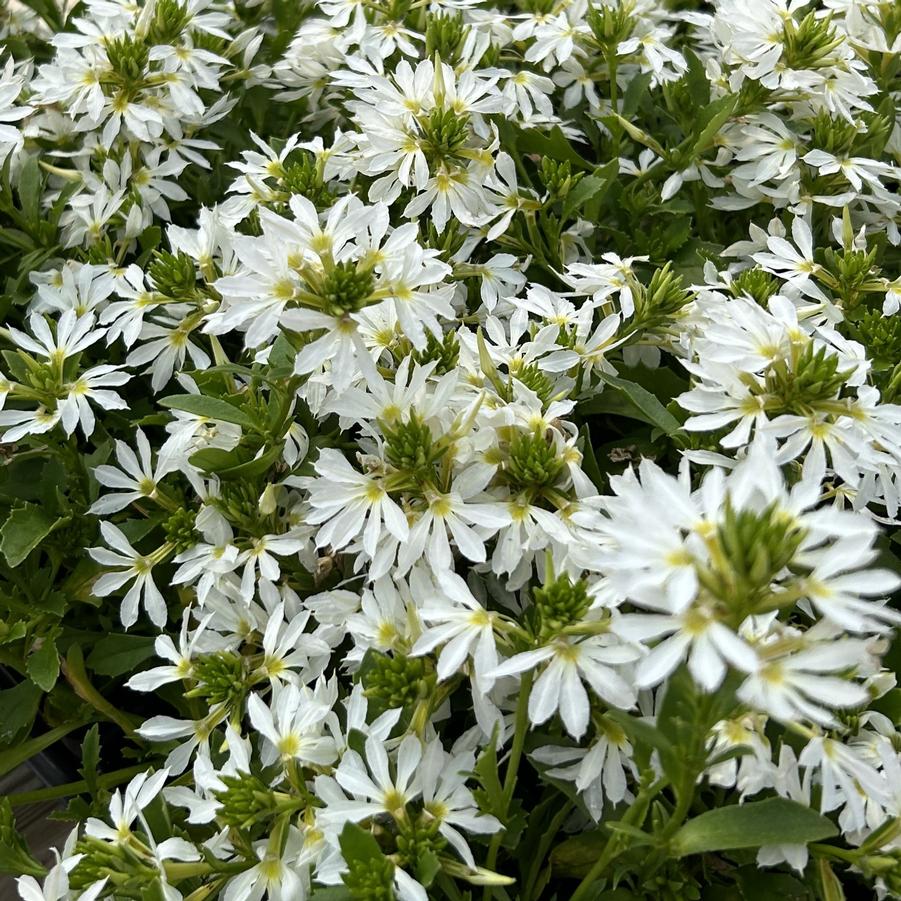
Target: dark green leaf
210, 407
90, 758
15, 858
18, 708
116, 655
29, 188
715, 116
553, 144
635, 93
358, 844
24, 530
43, 665
775, 821
631, 400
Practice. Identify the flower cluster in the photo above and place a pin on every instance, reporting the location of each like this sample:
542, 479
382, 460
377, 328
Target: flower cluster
454, 447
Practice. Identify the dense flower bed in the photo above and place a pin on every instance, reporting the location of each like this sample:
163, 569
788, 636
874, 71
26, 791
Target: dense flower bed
450, 448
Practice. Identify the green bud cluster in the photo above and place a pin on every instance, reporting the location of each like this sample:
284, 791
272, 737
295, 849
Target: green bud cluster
411, 449
809, 44
370, 880
834, 135
445, 34
756, 284
445, 351
558, 604
611, 23
301, 176
118, 863
445, 131
346, 289
558, 177
663, 297
398, 681
417, 839
220, 677
534, 379
245, 800
170, 18
128, 57
880, 335
853, 269
173, 274
532, 461
180, 531
754, 547
812, 378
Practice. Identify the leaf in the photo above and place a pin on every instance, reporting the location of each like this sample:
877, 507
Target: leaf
589, 188
90, 758
15, 858
18, 708
15, 756
635, 93
42, 665
553, 144
29, 189
210, 407
775, 821
24, 530
358, 845
575, 856
696, 79
116, 655
640, 404
491, 795
714, 115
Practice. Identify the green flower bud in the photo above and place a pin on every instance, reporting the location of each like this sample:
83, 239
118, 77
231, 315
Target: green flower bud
180, 531
410, 448
754, 546
444, 133
220, 677
756, 284
533, 378
532, 462
346, 289
128, 56
558, 178
398, 681
302, 177
445, 351
611, 23
370, 880
245, 800
809, 44
661, 299
417, 839
444, 35
558, 604
173, 274
813, 377
169, 21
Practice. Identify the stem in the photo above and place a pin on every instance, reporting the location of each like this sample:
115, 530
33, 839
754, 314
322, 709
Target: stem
546, 840
108, 780
519, 737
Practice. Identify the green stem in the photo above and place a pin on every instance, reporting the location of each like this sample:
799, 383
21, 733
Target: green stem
107, 780
521, 727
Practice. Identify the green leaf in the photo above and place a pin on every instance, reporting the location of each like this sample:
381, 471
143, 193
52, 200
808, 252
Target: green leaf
116, 655
15, 756
25, 528
775, 821
635, 93
714, 115
29, 189
90, 758
631, 400
490, 796
553, 144
575, 856
358, 844
210, 407
18, 708
696, 79
590, 188
231, 465
15, 858
42, 665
